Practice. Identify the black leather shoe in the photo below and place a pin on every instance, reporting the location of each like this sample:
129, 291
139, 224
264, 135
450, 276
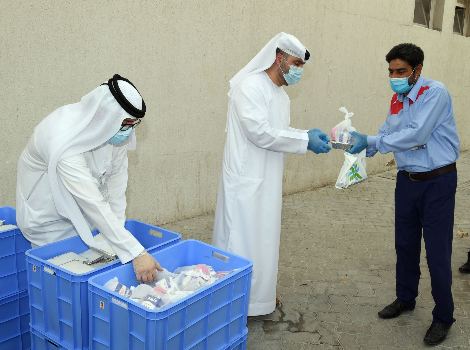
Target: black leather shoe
465, 268
395, 309
436, 333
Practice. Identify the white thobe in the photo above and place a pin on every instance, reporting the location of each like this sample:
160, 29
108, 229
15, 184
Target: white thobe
96, 179
248, 213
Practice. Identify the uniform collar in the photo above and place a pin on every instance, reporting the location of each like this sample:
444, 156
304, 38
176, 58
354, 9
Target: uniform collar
413, 94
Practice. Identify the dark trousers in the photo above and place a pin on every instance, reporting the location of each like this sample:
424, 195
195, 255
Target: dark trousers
425, 208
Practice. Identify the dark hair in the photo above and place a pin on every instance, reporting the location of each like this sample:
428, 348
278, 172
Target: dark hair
409, 53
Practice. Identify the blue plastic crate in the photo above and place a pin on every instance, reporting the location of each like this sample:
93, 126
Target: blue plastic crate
20, 342
41, 342
12, 256
212, 318
14, 322
240, 344
59, 299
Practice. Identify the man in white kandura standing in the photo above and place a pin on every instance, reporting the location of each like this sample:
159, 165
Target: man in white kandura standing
248, 213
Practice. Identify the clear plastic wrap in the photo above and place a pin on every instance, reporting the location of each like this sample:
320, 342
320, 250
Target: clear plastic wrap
340, 135
169, 286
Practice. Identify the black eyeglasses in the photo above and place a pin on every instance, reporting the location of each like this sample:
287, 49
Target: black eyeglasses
129, 124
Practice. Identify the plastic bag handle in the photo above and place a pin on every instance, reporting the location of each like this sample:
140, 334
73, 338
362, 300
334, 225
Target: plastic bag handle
347, 114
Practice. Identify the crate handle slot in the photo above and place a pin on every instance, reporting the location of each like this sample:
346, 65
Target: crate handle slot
220, 256
155, 233
49, 271
101, 304
52, 343
119, 303
34, 268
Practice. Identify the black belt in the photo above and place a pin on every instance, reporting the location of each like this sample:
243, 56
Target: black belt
430, 174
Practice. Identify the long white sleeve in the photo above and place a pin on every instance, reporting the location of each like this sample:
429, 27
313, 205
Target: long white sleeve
117, 183
252, 110
77, 178
298, 130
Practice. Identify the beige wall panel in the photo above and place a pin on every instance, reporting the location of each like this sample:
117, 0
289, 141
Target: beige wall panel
181, 54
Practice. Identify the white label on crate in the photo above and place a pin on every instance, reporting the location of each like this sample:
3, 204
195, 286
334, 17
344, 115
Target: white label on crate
156, 233
119, 303
49, 270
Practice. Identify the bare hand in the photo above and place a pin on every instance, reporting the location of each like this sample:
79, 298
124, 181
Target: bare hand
145, 267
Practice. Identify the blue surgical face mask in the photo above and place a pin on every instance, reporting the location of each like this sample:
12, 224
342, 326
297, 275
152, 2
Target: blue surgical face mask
401, 85
293, 75
120, 137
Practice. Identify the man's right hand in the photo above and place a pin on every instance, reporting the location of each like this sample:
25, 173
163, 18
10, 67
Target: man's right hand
359, 143
145, 267
318, 141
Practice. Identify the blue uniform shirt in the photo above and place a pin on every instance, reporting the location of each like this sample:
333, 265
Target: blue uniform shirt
420, 129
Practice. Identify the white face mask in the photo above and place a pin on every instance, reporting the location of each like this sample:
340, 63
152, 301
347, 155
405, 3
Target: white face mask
294, 74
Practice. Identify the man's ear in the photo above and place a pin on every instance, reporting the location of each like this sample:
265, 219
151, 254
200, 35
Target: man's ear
418, 69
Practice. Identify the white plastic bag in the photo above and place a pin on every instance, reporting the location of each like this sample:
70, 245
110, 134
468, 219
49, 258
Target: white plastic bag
341, 133
191, 278
114, 286
354, 166
170, 287
353, 170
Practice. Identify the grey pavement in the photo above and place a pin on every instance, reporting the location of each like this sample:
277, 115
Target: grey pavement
337, 269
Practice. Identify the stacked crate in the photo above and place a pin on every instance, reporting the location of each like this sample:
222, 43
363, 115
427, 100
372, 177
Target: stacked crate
212, 318
76, 312
58, 298
14, 305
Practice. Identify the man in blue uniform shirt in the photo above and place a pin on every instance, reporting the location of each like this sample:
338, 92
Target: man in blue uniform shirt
420, 130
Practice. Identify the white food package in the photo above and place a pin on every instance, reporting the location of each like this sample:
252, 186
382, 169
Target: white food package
353, 170
169, 287
341, 134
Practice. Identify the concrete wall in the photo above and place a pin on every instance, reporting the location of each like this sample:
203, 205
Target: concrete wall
181, 55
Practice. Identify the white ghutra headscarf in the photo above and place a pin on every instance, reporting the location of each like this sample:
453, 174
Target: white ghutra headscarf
266, 57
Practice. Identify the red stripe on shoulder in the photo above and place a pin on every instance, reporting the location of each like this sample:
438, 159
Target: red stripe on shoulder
395, 105
422, 89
